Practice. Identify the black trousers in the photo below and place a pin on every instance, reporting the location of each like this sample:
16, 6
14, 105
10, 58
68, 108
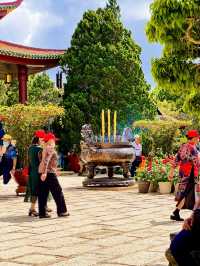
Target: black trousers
51, 184
135, 164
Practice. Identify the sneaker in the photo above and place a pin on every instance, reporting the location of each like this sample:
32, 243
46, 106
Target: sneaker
64, 214
176, 218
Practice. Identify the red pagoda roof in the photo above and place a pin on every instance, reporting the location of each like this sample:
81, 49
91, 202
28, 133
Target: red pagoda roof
7, 7
35, 59
21, 51
12, 55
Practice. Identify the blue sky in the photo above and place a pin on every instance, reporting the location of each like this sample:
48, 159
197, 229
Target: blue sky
51, 23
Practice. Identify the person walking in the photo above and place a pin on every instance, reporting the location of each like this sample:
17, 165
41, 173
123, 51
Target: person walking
8, 160
34, 158
49, 181
188, 161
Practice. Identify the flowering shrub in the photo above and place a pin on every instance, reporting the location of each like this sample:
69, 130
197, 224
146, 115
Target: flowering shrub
21, 121
143, 175
156, 169
161, 134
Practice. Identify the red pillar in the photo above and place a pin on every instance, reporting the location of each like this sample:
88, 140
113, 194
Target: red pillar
22, 78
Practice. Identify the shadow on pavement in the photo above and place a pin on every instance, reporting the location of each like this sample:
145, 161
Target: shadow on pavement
23, 219
154, 223
8, 197
18, 219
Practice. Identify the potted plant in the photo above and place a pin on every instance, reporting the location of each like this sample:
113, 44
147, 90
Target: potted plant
153, 175
21, 121
143, 177
153, 184
160, 172
163, 182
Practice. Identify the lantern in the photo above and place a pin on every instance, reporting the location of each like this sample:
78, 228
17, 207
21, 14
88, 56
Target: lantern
8, 78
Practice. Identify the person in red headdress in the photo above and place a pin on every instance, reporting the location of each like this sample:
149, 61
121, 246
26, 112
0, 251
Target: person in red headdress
188, 162
48, 179
34, 158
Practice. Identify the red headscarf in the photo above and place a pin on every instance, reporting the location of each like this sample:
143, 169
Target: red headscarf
40, 134
50, 136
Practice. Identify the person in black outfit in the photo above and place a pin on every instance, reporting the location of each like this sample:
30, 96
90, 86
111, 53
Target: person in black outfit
49, 181
186, 243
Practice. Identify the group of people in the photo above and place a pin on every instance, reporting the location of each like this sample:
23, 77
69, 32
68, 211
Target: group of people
188, 197
187, 160
42, 171
43, 176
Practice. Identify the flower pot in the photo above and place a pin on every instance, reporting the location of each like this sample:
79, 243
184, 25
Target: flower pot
153, 187
143, 186
165, 187
21, 178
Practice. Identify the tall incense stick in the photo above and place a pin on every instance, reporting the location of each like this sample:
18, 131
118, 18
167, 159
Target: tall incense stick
108, 125
115, 125
102, 125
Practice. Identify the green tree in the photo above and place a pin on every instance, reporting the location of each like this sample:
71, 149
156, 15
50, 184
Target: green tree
175, 24
103, 70
41, 90
9, 93
21, 121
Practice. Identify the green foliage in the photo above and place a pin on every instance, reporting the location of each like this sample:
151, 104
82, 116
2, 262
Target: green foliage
104, 71
176, 25
161, 135
9, 93
143, 175
160, 171
41, 90
147, 142
21, 121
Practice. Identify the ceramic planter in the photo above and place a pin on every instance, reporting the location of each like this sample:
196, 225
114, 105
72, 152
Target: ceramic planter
165, 187
143, 186
21, 178
153, 187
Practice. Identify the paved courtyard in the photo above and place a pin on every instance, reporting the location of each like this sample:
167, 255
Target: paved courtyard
106, 227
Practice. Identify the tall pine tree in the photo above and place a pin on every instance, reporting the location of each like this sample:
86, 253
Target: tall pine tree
104, 71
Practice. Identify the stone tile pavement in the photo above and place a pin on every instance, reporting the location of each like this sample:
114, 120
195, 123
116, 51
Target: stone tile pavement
107, 227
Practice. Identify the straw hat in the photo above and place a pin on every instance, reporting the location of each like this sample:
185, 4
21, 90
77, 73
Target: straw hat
7, 137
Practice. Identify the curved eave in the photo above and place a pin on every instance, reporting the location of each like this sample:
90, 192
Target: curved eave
6, 8
20, 53
26, 61
10, 5
30, 56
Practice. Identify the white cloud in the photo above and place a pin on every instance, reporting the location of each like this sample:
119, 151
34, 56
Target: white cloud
25, 24
135, 9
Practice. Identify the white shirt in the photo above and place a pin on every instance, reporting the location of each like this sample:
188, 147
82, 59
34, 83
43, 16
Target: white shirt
137, 149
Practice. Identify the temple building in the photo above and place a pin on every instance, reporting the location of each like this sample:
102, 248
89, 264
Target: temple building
18, 61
